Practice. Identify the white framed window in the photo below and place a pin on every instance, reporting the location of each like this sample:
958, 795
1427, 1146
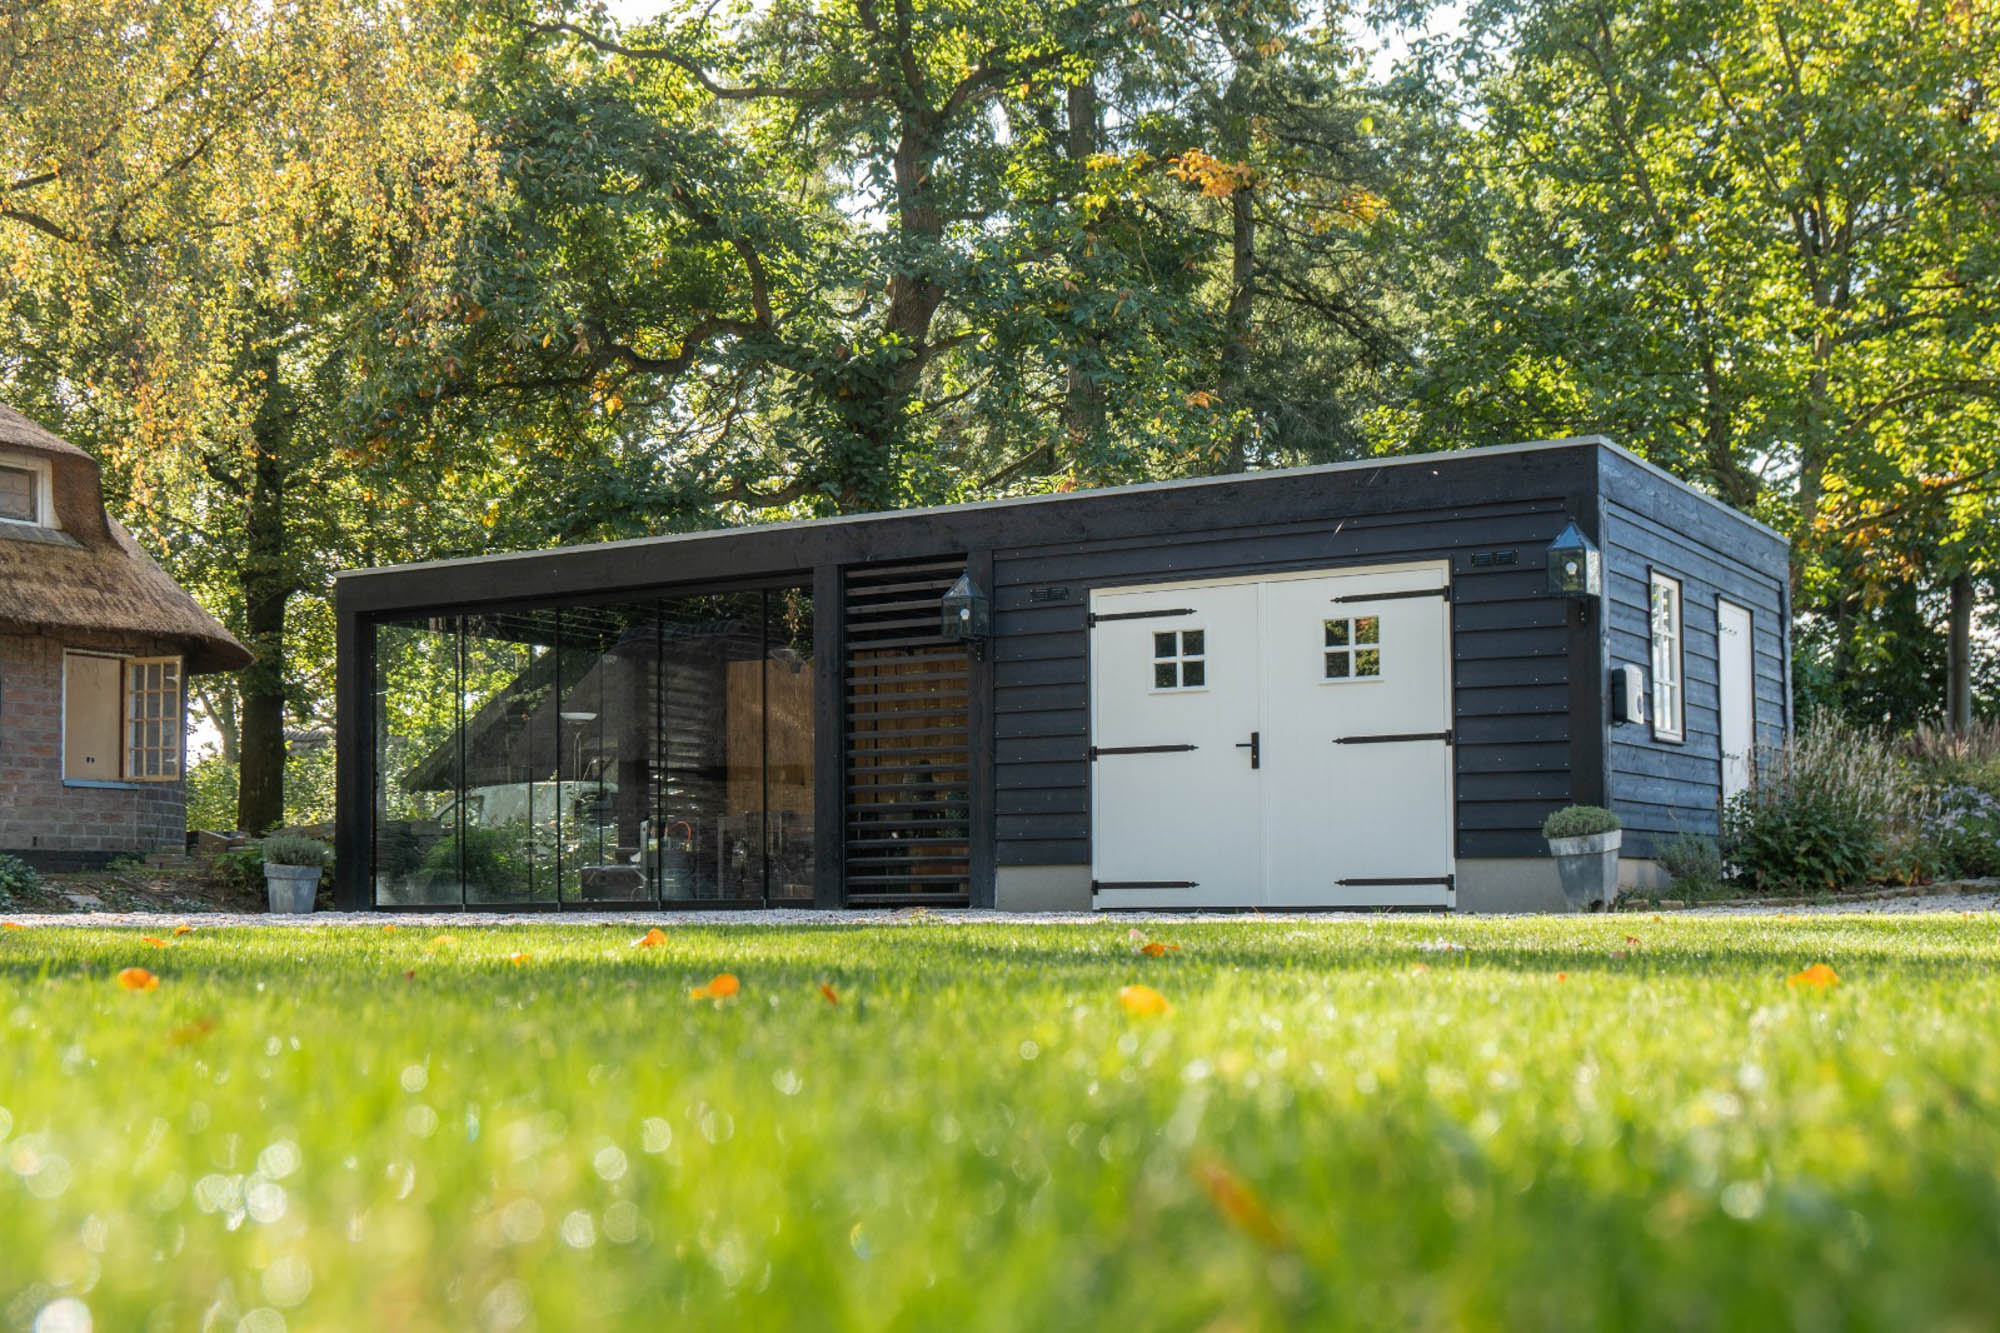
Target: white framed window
122, 718
153, 728
1180, 659
1353, 649
1669, 696
25, 493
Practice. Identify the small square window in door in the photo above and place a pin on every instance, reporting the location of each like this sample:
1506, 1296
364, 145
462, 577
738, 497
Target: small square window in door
1179, 660
1353, 648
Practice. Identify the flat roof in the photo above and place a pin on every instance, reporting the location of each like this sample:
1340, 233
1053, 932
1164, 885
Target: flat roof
1068, 497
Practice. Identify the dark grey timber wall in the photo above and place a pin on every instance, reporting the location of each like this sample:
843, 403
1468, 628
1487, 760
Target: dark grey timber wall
1512, 696
1663, 788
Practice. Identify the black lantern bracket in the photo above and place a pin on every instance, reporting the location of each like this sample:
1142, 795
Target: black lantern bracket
966, 614
1576, 569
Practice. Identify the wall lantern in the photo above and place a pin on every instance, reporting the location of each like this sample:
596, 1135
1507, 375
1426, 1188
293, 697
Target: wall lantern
967, 614
1575, 569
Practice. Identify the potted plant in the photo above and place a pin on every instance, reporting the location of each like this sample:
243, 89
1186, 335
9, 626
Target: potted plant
1584, 840
292, 867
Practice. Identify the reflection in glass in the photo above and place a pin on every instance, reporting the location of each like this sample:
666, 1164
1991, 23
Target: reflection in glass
652, 751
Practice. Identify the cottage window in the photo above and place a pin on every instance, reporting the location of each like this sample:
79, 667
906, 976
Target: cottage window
121, 718
21, 490
1669, 701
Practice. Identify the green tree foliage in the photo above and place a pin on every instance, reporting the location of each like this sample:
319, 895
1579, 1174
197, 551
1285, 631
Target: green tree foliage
1754, 241
195, 214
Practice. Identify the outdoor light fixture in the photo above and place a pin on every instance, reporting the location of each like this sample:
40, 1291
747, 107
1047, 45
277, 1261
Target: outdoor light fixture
1575, 569
967, 614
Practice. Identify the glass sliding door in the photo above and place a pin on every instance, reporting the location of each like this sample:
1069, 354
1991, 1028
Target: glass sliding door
417, 826
507, 733
651, 751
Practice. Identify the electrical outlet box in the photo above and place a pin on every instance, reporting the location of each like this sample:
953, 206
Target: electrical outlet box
1628, 693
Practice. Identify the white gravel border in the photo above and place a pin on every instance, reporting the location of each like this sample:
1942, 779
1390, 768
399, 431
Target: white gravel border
1940, 905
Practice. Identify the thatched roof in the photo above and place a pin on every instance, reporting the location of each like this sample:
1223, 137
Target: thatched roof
90, 574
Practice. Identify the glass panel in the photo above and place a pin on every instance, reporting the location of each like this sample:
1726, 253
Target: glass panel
1336, 633
416, 853
1163, 645
1368, 629
503, 753
17, 494
1192, 642
788, 742
1336, 666
610, 720
711, 736
1194, 674
1164, 676
1368, 662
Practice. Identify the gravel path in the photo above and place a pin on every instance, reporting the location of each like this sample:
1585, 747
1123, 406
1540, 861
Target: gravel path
1938, 904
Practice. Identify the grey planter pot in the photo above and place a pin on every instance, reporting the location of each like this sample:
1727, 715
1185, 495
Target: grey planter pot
1588, 868
291, 889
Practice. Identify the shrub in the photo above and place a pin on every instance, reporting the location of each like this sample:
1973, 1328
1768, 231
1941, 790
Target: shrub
237, 868
1966, 831
292, 849
1836, 807
1579, 821
16, 876
1691, 858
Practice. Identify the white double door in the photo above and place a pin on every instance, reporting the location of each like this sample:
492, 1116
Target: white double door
1279, 742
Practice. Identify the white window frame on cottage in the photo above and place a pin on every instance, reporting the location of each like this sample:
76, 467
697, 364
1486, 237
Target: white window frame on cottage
1665, 616
44, 485
141, 724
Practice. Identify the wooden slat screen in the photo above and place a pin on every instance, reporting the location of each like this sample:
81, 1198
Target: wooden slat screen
908, 832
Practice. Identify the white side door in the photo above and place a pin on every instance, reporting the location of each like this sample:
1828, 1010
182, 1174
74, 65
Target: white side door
1357, 760
1175, 816
1736, 679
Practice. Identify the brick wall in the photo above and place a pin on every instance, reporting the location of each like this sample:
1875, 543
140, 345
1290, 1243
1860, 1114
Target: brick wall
44, 821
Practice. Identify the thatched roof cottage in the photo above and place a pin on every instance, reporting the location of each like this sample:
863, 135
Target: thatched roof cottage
96, 643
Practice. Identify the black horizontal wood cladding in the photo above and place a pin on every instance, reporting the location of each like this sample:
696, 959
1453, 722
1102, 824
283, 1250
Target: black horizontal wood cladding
1662, 789
1511, 641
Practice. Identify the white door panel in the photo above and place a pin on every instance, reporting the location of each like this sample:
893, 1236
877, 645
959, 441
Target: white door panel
1182, 821
1342, 801
1736, 680
1285, 661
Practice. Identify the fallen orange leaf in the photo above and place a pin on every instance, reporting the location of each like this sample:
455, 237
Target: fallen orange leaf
518, 959
1562, 976
1144, 1001
444, 939
723, 985
652, 939
1153, 949
1819, 976
194, 1031
1239, 1203
156, 943
827, 991
10, 925
1419, 967
183, 929
138, 978
390, 929
1631, 939
410, 975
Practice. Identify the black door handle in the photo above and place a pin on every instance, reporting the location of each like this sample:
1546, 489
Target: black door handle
1255, 746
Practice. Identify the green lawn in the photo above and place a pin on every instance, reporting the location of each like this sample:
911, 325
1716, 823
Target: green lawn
1339, 1124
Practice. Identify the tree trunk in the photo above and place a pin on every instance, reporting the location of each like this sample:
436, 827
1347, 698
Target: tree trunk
1958, 657
1234, 375
1083, 401
267, 586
